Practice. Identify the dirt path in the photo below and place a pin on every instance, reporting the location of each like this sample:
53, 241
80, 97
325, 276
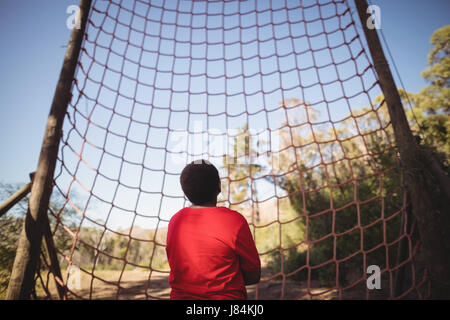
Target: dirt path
135, 285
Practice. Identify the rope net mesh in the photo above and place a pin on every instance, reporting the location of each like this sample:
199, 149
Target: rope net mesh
282, 97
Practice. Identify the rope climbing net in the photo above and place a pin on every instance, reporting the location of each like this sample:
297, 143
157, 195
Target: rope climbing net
282, 97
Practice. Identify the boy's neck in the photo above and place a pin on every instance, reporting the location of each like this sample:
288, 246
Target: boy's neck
205, 205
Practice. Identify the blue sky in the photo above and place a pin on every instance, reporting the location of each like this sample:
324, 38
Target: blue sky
34, 35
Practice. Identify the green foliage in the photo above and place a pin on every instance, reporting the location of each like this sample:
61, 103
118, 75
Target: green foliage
355, 194
289, 232
357, 200
116, 250
240, 172
431, 106
10, 228
315, 210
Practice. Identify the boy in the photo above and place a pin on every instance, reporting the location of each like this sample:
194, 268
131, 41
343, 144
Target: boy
210, 249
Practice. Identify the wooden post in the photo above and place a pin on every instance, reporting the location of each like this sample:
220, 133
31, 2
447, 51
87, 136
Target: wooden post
16, 197
433, 224
21, 282
54, 263
402, 252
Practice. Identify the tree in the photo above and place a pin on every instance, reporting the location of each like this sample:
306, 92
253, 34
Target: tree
432, 103
241, 172
321, 184
11, 225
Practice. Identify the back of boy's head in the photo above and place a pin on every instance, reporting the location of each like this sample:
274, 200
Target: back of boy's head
200, 182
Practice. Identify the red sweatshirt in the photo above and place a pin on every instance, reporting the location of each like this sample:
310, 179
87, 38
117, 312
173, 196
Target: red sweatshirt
207, 248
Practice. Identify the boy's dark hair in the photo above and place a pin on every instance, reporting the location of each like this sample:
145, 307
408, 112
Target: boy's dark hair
200, 182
